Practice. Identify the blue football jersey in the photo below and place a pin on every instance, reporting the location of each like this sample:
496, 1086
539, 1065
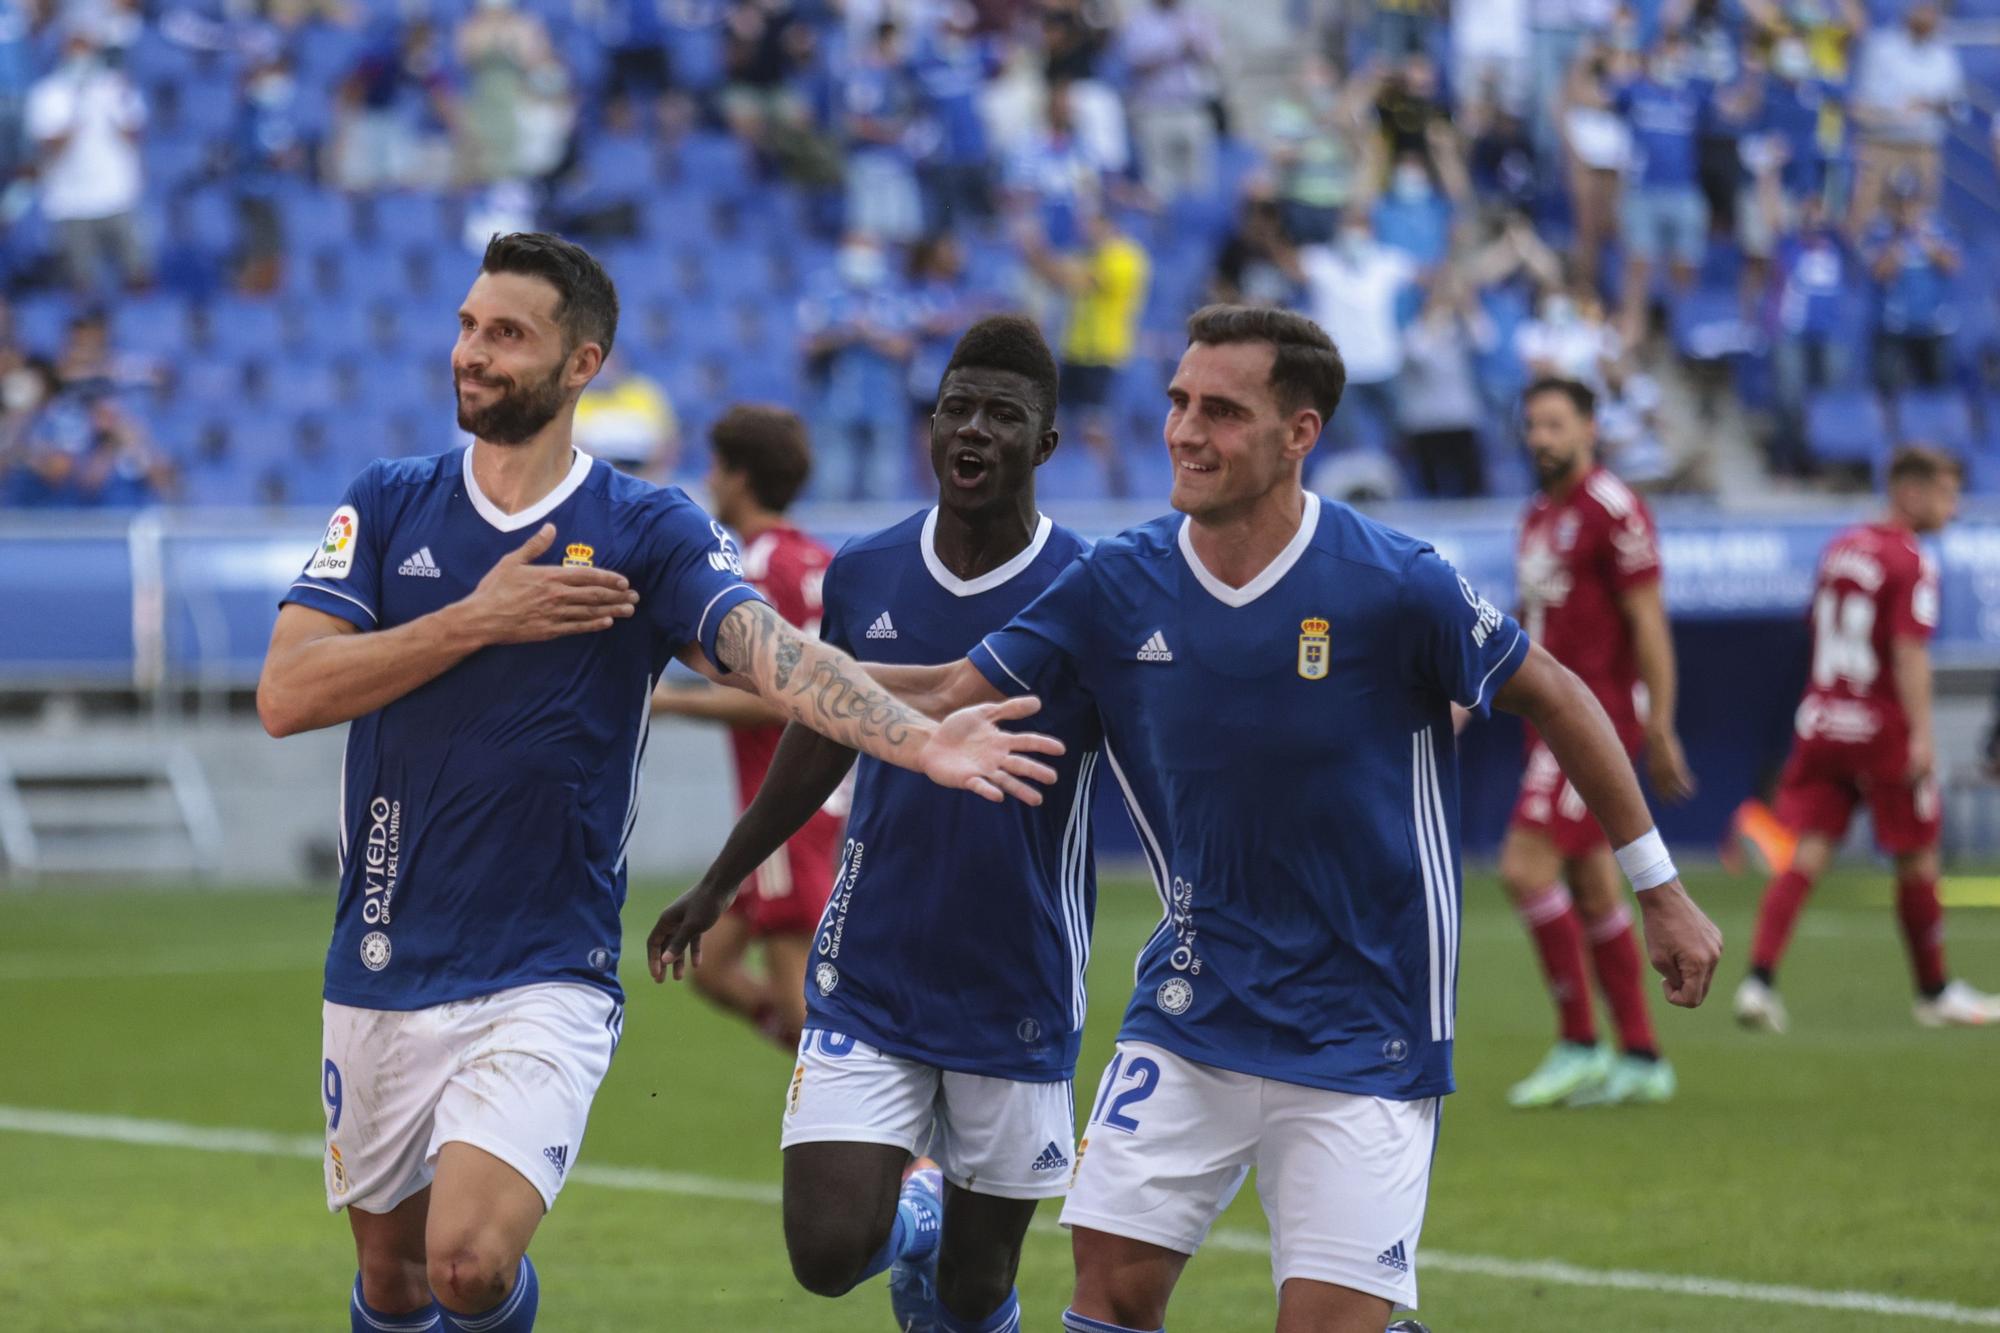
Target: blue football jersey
484, 815
958, 929
1287, 753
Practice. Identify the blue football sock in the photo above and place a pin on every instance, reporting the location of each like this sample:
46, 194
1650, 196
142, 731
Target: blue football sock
363, 1318
1077, 1323
516, 1314
912, 1238
1006, 1319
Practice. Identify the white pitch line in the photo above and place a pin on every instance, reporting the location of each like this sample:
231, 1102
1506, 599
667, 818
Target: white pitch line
264, 1143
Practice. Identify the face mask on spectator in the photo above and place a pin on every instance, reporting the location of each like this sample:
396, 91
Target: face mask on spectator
863, 266
1669, 70
1355, 241
1411, 184
1558, 310
1792, 60
21, 391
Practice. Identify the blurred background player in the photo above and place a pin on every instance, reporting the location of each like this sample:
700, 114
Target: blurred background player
947, 999
490, 785
1864, 733
760, 462
1589, 581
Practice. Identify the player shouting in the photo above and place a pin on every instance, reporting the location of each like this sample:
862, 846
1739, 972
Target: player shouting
1275, 675
1863, 733
1589, 585
946, 1000
491, 621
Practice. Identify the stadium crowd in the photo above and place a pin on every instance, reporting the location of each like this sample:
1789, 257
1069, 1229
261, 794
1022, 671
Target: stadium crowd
231, 229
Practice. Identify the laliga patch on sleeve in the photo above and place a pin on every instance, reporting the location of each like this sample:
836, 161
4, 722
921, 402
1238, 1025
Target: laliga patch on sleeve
335, 556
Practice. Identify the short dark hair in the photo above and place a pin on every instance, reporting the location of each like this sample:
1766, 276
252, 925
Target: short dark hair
768, 445
1011, 343
1306, 370
1581, 396
1924, 462
586, 302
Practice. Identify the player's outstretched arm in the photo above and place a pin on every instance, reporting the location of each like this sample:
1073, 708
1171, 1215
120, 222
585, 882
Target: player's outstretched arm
937, 691
803, 774
1683, 943
320, 670
830, 692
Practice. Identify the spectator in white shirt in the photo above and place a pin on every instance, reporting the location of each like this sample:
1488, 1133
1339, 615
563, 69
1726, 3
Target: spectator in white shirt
84, 119
1172, 53
1357, 289
1570, 338
1908, 83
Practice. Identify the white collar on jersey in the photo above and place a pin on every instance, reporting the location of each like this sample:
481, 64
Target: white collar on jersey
534, 513
992, 578
1268, 577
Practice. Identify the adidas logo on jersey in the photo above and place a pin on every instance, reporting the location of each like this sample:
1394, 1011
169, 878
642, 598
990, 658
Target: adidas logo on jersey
421, 566
560, 1156
1052, 1159
1155, 649
1395, 1257
882, 628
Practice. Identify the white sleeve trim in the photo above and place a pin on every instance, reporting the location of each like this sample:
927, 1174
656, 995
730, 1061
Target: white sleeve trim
987, 644
1480, 694
718, 597
334, 592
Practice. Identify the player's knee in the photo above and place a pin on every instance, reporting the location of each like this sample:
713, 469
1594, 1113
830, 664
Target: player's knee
973, 1290
829, 1260
469, 1278
394, 1283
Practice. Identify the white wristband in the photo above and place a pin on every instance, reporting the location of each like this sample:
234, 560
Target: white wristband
1646, 863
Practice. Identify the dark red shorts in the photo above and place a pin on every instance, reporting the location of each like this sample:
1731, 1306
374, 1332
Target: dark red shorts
788, 893
1548, 805
1825, 780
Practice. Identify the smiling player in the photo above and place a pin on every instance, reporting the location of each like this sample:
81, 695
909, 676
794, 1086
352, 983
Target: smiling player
498, 702
1275, 675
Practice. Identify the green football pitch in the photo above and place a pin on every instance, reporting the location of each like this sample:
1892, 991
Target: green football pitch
159, 1113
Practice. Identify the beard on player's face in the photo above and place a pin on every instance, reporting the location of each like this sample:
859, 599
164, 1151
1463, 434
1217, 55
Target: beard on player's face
519, 411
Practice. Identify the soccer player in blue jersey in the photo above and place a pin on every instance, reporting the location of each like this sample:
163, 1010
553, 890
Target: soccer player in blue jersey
945, 1000
1275, 675
491, 621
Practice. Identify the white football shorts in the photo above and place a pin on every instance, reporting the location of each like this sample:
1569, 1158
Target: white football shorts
1343, 1178
994, 1136
511, 1074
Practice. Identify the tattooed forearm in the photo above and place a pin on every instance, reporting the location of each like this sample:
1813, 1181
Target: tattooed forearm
819, 685
837, 694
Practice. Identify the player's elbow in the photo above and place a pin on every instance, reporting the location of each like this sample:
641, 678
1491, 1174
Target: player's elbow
279, 710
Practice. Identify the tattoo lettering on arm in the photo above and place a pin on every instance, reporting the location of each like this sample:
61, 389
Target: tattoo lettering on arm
839, 694
819, 685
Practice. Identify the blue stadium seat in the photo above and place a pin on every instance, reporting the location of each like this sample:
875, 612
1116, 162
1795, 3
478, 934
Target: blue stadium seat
316, 218
407, 217
208, 108
41, 322
696, 48
242, 326
206, 220
209, 382
714, 165
1846, 425
150, 325
1708, 325
1941, 417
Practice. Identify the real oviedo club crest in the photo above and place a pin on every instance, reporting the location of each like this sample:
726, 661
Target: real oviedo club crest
1313, 644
